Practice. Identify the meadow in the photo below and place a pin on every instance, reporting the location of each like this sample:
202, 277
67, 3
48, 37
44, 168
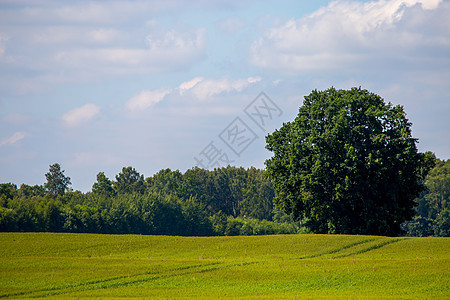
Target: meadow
57, 265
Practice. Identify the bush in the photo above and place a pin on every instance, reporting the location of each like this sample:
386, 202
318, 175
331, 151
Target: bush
247, 226
419, 226
8, 219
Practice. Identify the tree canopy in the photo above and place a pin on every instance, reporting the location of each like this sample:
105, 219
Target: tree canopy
129, 180
57, 183
347, 164
226, 201
103, 186
433, 210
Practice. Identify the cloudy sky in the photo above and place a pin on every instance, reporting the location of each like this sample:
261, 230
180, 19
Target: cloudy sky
99, 85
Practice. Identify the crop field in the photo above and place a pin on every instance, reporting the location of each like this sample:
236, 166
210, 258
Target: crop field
37, 265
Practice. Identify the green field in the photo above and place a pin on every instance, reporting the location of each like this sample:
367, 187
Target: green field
35, 265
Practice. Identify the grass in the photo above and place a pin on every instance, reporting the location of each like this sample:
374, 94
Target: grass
37, 265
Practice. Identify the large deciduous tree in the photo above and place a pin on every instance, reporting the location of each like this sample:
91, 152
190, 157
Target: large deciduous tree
347, 164
57, 183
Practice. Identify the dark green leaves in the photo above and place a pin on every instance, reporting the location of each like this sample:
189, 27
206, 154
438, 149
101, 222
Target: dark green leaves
347, 164
57, 182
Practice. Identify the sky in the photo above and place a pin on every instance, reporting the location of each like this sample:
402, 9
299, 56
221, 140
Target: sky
100, 85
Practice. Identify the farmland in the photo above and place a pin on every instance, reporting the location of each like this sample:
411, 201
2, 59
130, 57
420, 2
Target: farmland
280, 266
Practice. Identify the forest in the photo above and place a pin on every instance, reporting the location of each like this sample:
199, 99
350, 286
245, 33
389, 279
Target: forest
225, 201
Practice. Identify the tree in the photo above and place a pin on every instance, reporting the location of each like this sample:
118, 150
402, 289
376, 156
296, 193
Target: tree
129, 181
438, 185
347, 164
7, 192
433, 205
27, 191
197, 183
103, 186
165, 182
57, 182
258, 196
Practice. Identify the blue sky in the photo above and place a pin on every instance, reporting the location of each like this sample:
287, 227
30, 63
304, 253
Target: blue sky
100, 85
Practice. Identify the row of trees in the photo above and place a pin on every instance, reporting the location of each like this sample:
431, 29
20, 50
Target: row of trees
226, 201
234, 191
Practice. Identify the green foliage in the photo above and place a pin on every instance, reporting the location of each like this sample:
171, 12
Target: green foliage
173, 203
57, 183
257, 196
7, 191
442, 223
231, 226
103, 186
197, 183
438, 189
233, 191
420, 226
92, 213
197, 219
347, 164
165, 182
27, 191
227, 193
219, 223
433, 210
8, 219
129, 181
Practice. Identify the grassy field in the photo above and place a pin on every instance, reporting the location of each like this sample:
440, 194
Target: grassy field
35, 265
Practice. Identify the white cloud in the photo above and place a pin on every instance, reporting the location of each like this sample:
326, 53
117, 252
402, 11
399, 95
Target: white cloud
174, 40
347, 33
187, 85
197, 88
13, 139
205, 88
145, 99
172, 51
51, 43
80, 115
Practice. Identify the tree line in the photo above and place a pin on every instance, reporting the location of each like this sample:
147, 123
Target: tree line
433, 206
226, 201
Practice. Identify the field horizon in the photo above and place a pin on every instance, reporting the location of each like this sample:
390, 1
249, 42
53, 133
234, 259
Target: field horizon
55, 265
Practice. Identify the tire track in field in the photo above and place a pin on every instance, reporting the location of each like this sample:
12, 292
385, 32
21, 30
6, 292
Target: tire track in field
374, 247
107, 285
337, 249
56, 290
110, 282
